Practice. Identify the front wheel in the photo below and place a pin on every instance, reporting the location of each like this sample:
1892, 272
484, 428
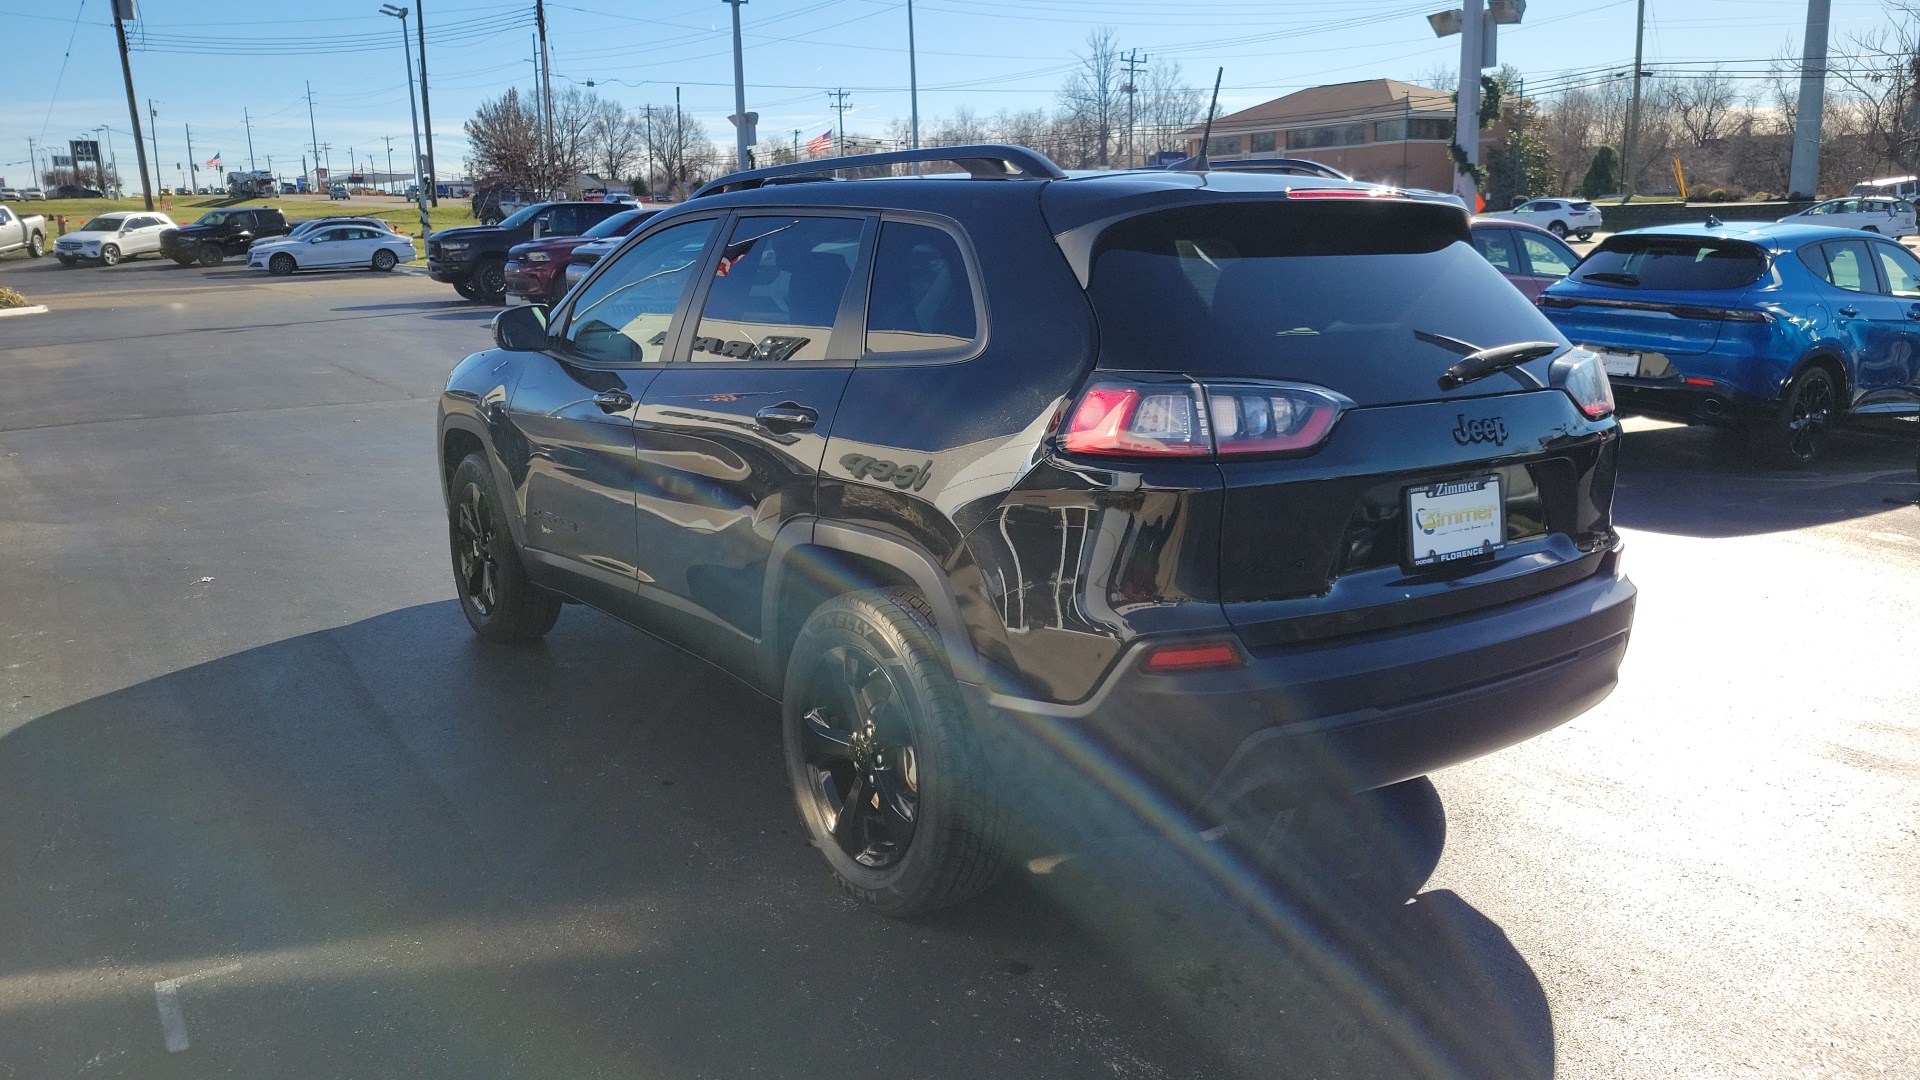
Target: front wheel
500, 601
490, 281
889, 781
384, 260
465, 289
110, 255
211, 256
1796, 433
281, 264
1558, 228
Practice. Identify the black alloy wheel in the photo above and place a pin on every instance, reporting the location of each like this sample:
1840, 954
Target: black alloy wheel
212, 256
109, 255
384, 260
1584, 235
1796, 434
1558, 228
500, 602
465, 289
490, 281
881, 754
282, 264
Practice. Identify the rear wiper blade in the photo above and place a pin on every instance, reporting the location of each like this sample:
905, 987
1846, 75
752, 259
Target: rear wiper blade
1611, 277
1478, 363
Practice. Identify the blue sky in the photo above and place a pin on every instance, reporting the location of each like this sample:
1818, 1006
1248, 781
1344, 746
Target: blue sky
204, 61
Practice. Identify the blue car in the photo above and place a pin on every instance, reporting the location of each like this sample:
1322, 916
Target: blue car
1780, 330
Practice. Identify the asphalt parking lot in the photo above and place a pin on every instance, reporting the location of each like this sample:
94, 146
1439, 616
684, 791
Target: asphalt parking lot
270, 810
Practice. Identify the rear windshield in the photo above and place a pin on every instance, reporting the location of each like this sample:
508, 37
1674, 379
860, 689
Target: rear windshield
1672, 262
1324, 292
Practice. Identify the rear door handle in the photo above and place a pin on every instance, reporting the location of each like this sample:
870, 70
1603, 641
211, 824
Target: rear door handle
613, 400
1914, 312
786, 417
1849, 312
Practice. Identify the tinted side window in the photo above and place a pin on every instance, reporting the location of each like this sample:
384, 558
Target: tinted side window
777, 290
240, 220
1546, 259
1497, 246
922, 299
567, 221
624, 315
1901, 269
1845, 265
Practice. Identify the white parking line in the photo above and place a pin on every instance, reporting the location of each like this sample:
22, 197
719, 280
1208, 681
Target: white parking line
166, 997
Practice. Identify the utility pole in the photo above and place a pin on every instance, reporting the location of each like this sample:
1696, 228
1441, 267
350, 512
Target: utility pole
426, 114
113, 164
153, 132
33, 161
193, 167
121, 10
389, 139
1803, 178
679, 138
742, 125
420, 182
1466, 117
913, 83
546, 81
647, 152
315, 132
1134, 62
1633, 107
840, 106
246, 118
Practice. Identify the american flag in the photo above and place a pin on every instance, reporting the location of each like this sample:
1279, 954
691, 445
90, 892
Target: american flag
213, 162
820, 144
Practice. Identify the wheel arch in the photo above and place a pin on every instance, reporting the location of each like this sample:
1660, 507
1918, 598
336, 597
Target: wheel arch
460, 435
1829, 358
813, 561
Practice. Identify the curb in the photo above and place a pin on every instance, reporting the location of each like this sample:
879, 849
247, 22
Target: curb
30, 309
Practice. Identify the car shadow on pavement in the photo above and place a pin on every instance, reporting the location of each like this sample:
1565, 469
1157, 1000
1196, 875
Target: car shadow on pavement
391, 849
1700, 481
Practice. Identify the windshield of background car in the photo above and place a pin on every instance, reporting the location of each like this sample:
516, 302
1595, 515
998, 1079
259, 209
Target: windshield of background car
216, 217
1323, 292
619, 224
105, 223
1672, 262
522, 216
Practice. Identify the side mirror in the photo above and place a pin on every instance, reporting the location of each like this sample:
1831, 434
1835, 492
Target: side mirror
522, 328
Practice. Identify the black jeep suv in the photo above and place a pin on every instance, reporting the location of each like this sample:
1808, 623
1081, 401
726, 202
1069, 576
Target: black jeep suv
1203, 490
474, 259
220, 233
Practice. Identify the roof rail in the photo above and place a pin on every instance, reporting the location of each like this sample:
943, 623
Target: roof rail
986, 161
1291, 166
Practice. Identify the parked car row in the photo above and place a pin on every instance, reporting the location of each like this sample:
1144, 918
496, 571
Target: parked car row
474, 259
32, 194
262, 233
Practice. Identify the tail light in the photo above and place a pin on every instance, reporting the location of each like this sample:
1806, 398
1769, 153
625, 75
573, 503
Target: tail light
1191, 656
1579, 374
1127, 419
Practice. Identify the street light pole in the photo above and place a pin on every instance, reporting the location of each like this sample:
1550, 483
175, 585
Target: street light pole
133, 106
420, 187
740, 123
1803, 177
426, 112
913, 82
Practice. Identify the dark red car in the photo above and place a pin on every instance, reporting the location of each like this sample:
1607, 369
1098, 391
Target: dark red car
535, 270
1528, 255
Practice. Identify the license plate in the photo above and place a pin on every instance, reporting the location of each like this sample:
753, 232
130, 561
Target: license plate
1619, 363
1455, 519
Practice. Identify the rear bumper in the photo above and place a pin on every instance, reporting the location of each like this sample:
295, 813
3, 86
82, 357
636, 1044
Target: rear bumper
1719, 405
1354, 713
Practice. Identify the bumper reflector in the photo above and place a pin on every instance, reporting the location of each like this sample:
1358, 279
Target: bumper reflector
1191, 656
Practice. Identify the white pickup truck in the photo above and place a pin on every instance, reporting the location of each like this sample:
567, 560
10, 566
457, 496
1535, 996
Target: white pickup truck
28, 234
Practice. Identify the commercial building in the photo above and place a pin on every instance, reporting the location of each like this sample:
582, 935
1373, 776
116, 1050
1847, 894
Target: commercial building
1382, 130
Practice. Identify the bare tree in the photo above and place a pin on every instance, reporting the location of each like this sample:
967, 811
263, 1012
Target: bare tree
1091, 98
618, 140
504, 142
679, 150
963, 128
1884, 85
1167, 106
1700, 105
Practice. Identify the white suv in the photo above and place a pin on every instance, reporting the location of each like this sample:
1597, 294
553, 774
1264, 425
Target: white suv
111, 237
1557, 216
1886, 216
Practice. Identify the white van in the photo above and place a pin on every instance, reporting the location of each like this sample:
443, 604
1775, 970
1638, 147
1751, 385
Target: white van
1898, 187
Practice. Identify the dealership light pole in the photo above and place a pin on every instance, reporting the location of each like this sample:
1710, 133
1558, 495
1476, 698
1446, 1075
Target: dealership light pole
122, 11
1803, 178
1477, 23
743, 133
420, 187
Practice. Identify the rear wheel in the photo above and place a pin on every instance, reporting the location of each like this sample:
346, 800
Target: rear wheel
490, 281
1584, 235
883, 762
383, 260
281, 264
1796, 433
36, 246
500, 602
110, 255
1558, 228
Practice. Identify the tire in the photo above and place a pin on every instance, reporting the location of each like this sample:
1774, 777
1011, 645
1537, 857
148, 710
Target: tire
211, 256
465, 289
384, 260
1558, 228
36, 246
1584, 235
1795, 434
871, 713
281, 264
109, 255
500, 602
490, 281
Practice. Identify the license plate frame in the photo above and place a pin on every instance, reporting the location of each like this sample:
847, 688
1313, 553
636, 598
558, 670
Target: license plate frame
1618, 363
1466, 518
